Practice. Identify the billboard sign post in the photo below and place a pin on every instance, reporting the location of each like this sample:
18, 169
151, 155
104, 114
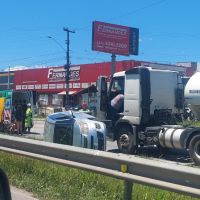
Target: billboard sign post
114, 39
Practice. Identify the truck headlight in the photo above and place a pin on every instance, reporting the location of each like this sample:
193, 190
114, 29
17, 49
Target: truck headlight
97, 126
84, 129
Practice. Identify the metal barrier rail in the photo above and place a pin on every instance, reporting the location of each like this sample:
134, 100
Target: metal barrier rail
172, 177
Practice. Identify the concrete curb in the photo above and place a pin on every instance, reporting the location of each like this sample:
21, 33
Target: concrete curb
19, 194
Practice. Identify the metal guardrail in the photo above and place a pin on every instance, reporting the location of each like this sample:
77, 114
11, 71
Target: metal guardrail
169, 176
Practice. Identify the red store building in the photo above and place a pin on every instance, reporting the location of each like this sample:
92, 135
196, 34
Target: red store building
48, 84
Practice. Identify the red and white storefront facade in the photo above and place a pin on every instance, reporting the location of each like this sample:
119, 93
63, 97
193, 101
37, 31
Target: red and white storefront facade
49, 82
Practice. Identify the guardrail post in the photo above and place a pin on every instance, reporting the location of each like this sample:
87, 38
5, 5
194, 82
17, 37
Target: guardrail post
128, 187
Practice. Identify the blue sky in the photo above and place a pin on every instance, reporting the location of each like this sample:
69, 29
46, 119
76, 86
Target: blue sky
169, 30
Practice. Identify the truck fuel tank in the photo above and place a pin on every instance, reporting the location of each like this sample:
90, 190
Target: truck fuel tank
192, 94
173, 137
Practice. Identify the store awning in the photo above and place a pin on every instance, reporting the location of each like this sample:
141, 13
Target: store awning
90, 89
64, 92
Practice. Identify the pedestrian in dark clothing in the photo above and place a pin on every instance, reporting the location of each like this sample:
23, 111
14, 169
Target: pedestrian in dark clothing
18, 116
24, 108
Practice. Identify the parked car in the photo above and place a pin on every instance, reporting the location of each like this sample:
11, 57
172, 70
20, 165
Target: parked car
76, 129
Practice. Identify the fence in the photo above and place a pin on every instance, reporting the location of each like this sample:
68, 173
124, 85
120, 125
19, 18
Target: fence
131, 169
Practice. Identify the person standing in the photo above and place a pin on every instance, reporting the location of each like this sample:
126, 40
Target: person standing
24, 108
28, 120
84, 107
18, 113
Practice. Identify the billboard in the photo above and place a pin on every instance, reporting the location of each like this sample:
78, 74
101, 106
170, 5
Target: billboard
115, 39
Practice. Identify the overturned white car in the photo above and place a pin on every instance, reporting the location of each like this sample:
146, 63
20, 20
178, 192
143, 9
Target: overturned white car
76, 129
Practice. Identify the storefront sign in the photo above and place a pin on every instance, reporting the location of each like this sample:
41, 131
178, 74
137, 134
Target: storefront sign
18, 87
59, 86
52, 86
31, 87
24, 87
38, 87
76, 85
45, 86
59, 74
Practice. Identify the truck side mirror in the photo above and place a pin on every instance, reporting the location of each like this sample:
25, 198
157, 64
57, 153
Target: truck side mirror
5, 193
102, 93
179, 98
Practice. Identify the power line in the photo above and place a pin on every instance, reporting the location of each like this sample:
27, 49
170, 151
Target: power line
40, 62
22, 29
126, 14
28, 58
139, 9
170, 35
57, 43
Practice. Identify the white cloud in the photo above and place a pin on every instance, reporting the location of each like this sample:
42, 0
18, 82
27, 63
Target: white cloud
21, 67
16, 68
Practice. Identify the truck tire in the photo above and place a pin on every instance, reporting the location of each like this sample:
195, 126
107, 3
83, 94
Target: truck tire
125, 140
194, 149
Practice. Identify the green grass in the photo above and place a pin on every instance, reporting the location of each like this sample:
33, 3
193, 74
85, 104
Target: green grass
53, 182
190, 123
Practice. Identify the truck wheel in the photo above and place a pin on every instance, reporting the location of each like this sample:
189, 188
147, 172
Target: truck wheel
125, 140
194, 149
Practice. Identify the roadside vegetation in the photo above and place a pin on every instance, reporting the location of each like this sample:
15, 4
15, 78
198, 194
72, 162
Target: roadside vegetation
49, 181
190, 123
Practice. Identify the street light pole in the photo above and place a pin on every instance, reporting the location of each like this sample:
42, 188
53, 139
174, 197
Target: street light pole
67, 68
8, 78
50, 37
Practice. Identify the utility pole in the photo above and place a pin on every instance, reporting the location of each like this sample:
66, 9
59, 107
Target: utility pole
113, 65
67, 68
8, 78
